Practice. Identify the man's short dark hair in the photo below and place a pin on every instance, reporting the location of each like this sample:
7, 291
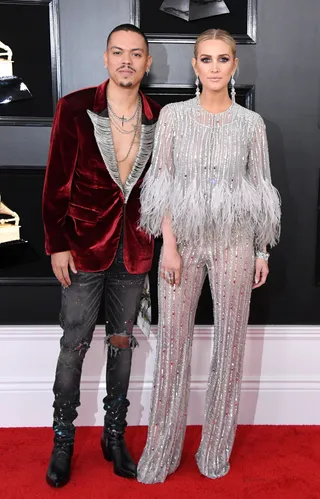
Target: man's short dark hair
129, 27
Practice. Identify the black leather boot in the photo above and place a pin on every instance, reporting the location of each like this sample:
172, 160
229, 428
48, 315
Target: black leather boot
114, 449
59, 469
66, 390
116, 406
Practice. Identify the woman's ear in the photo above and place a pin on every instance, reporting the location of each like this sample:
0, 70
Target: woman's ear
194, 64
236, 64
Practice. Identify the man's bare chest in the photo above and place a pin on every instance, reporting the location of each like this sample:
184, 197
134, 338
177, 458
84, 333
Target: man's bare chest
126, 148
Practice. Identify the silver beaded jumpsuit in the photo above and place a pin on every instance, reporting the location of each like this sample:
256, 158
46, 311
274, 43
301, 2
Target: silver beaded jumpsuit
211, 173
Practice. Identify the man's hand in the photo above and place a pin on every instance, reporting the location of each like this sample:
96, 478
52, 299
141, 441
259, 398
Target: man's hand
60, 265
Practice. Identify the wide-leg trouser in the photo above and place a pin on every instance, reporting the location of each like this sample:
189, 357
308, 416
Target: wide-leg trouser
231, 272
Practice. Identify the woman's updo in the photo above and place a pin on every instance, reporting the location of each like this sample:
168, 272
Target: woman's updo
215, 34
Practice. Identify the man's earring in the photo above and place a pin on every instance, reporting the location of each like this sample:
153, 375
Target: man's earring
197, 87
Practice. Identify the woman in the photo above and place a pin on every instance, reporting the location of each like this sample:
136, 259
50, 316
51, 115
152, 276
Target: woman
209, 194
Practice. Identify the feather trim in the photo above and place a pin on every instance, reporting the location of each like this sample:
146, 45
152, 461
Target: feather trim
155, 199
222, 211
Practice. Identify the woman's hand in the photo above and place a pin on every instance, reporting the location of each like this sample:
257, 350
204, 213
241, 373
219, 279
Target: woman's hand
171, 265
261, 273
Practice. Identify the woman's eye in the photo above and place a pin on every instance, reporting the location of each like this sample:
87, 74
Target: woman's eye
205, 60
224, 59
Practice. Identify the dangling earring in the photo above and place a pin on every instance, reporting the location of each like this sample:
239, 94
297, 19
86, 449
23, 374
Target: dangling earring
233, 90
197, 87
148, 72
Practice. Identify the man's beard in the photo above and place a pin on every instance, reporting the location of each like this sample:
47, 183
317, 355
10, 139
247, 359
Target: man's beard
127, 84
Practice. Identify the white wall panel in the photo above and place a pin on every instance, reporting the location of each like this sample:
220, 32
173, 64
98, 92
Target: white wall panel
281, 383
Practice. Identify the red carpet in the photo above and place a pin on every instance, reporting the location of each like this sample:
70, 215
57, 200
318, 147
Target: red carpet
268, 462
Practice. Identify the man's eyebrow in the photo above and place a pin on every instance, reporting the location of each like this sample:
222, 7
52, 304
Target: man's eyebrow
120, 48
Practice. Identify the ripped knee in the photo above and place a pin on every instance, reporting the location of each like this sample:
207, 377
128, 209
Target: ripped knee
122, 341
81, 348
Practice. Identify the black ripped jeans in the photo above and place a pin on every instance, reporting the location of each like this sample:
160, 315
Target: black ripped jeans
79, 311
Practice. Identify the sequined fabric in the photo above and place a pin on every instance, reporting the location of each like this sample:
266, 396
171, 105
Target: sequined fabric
230, 273
211, 174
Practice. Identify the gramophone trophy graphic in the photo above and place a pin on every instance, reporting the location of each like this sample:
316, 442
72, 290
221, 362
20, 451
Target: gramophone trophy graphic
9, 224
12, 88
191, 10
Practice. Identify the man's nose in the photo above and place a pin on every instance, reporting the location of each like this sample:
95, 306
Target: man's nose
126, 58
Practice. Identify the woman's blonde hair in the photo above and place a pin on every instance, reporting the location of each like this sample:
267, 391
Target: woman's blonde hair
215, 34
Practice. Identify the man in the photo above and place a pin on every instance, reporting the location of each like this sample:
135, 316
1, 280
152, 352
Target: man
100, 149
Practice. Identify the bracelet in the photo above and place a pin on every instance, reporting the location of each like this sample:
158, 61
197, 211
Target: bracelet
261, 254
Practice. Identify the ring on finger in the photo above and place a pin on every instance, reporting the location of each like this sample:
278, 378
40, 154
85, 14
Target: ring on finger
168, 275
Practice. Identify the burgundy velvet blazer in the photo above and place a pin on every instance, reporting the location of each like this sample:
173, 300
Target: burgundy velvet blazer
84, 204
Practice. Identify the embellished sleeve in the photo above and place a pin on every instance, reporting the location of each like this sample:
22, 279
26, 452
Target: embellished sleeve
267, 227
157, 185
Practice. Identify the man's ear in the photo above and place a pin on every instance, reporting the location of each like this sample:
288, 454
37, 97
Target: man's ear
149, 63
105, 59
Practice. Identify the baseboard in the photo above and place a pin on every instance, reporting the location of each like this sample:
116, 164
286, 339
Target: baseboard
281, 383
